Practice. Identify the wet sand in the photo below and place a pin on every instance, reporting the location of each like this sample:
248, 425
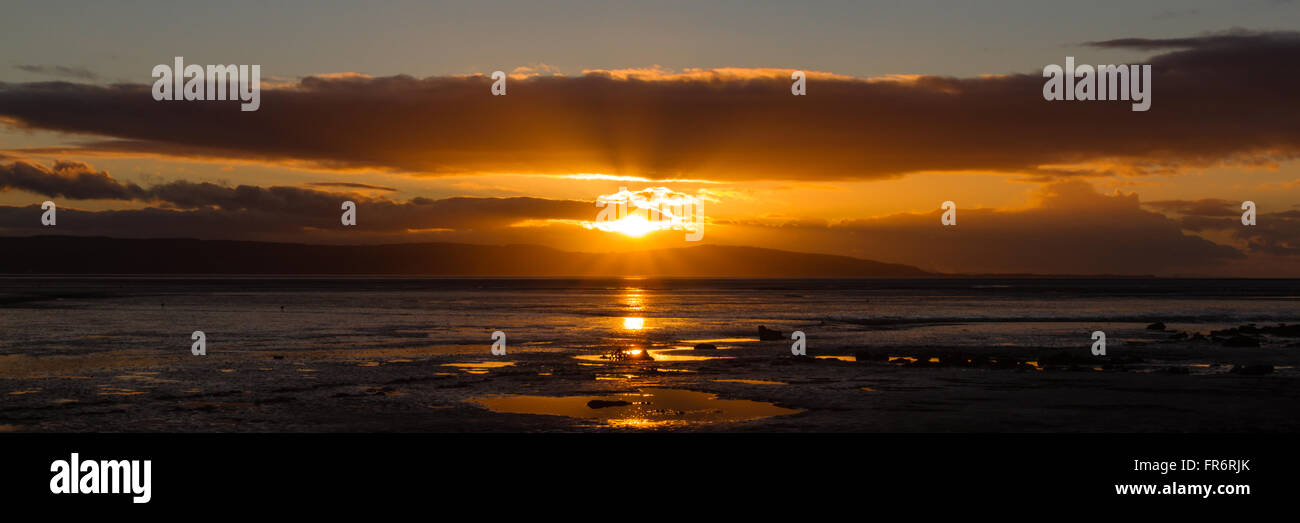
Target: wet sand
1156, 386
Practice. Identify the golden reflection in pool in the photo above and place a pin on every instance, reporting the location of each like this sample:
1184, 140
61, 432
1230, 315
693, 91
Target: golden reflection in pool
634, 324
646, 408
478, 367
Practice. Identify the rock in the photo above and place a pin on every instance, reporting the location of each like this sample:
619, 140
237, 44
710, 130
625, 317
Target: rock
624, 355
1058, 358
639, 355
1289, 331
600, 404
1006, 363
1281, 329
705, 346
919, 362
1252, 370
1240, 341
766, 334
1157, 326
954, 360
870, 355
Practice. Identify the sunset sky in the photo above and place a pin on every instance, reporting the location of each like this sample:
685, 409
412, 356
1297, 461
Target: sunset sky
908, 105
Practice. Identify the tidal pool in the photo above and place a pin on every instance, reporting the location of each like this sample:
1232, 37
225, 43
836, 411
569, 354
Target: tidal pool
647, 408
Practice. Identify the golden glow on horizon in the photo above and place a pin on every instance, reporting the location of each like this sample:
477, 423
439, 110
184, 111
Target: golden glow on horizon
633, 225
634, 324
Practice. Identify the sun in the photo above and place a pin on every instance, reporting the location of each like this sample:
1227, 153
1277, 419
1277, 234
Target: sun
633, 225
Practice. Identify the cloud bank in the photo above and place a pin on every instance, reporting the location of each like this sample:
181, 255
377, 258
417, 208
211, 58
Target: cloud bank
1071, 229
1227, 98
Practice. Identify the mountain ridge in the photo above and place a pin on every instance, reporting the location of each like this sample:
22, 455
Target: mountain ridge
54, 254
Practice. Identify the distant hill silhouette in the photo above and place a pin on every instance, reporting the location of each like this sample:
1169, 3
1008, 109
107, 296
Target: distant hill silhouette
98, 255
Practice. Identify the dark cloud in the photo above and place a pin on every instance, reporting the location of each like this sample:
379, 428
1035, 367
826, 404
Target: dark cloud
349, 185
66, 179
63, 71
222, 211
1073, 230
1219, 98
1274, 233
1241, 39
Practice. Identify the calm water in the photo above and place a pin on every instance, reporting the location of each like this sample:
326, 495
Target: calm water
51, 315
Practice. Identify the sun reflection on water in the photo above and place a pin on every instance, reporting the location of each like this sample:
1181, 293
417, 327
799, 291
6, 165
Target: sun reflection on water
633, 299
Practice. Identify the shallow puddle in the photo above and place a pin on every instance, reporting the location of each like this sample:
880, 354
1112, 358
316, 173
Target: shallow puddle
481, 367
648, 408
720, 340
683, 355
